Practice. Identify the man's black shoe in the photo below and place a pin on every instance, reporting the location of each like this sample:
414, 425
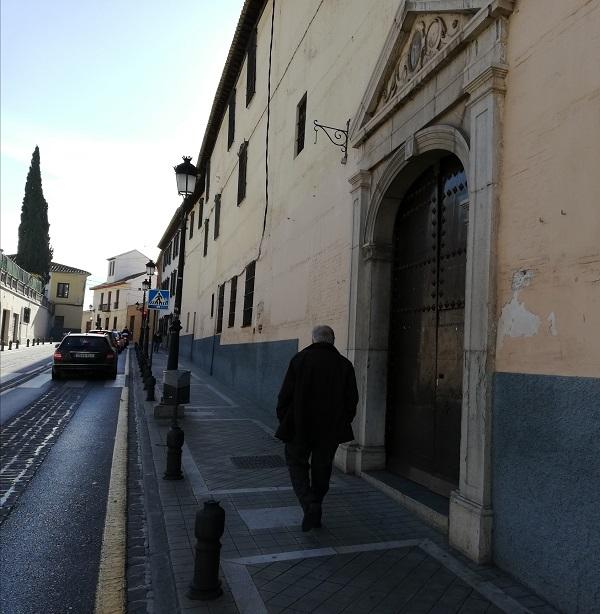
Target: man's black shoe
312, 517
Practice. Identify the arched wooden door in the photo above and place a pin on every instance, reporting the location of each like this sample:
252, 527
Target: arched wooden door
427, 328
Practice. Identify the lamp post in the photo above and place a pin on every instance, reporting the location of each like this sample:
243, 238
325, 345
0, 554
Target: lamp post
150, 268
145, 286
185, 174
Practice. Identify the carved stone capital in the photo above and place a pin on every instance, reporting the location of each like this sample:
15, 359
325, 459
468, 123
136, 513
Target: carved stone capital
376, 251
492, 78
360, 181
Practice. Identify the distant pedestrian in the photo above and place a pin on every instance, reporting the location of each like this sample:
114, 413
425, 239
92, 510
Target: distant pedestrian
157, 340
315, 408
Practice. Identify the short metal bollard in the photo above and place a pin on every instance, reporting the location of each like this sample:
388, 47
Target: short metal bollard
175, 439
210, 524
17, 344
150, 390
10, 345
1, 346
27, 342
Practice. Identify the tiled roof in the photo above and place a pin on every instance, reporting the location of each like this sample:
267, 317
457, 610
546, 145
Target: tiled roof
55, 267
118, 282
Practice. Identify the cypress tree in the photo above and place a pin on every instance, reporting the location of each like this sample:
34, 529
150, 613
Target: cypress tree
34, 253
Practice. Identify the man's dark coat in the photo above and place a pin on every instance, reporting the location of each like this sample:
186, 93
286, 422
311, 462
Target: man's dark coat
318, 398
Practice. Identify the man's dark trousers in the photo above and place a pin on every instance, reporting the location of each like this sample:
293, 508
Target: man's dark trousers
310, 470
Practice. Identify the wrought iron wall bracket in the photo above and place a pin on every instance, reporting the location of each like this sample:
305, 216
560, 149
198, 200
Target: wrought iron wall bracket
337, 136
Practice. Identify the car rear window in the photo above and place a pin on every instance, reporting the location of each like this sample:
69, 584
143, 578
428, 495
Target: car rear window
93, 343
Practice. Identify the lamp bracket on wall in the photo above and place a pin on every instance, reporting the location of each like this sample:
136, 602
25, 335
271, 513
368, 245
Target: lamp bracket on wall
337, 136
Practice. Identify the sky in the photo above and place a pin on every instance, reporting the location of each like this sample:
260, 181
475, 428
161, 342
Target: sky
114, 93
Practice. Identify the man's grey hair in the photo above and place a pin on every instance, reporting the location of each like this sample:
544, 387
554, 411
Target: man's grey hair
323, 334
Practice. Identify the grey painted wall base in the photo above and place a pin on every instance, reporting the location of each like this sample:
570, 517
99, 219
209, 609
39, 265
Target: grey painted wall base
256, 370
546, 489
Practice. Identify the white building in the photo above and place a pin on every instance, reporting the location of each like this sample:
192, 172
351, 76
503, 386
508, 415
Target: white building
25, 308
122, 289
454, 252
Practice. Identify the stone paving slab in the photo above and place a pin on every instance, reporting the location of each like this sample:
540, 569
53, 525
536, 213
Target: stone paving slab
372, 555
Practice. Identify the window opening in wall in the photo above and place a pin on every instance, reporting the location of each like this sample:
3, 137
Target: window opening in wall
231, 124
232, 299
187, 323
62, 290
212, 305
242, 165
101, 300
194, 324
192, 214
249, 294
206, 236
251, 67
111, 267
300, 124
117, 299
106, 321
131, 324
200, 213
173, 282
109, 300
26, 314
217, 228
176, 245
220, 302
115, 323
207, 182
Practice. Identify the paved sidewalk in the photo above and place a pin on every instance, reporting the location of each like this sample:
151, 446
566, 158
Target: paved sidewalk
372, 555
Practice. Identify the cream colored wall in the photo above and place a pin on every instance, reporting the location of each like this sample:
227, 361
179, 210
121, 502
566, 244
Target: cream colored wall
71, 307
327, 50
549, 223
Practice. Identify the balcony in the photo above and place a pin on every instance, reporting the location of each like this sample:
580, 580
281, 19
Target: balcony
104, 306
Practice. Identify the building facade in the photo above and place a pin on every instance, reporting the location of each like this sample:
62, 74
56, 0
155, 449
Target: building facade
66, 291
25, 309
434, 229
121, 290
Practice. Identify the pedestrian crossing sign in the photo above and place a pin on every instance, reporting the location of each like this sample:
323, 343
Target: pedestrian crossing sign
158, 299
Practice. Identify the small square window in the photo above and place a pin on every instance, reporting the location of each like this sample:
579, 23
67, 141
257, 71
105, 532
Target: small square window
62, 290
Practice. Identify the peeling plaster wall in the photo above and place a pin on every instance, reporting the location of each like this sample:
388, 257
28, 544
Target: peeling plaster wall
549, 219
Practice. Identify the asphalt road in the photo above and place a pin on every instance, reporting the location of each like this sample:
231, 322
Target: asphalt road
50, 541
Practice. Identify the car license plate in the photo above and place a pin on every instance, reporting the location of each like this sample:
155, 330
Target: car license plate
84, 355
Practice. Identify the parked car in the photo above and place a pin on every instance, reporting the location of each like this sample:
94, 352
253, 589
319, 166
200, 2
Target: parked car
85, 352
114, 336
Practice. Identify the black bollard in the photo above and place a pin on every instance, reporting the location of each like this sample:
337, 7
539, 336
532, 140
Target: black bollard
150, 389
1, 346
175, 439
27, 342
17, 344
10, 345
210, 524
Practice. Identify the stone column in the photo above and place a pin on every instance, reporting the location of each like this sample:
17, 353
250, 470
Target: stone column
367, 343
470, 528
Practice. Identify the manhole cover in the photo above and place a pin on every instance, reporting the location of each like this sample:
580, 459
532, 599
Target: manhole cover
258, 462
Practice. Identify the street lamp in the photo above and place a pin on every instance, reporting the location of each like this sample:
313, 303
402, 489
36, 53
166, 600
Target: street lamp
145, 286
150, 268
185, 174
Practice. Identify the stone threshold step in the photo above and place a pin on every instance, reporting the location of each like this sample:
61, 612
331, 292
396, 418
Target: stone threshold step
428, 506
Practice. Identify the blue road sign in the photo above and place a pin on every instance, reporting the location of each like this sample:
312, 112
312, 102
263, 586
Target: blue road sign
158, 299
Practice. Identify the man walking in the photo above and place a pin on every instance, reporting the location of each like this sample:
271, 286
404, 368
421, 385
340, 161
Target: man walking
315, 408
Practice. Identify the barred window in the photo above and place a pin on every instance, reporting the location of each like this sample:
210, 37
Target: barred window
217, 215
232, 299
300, 124
62, 290
231, 125
242, 165
251, 67
249, 294
220, 302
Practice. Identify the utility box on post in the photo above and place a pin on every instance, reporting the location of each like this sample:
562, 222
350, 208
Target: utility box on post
176, 387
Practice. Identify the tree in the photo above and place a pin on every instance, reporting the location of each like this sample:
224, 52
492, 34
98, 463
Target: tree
34, 253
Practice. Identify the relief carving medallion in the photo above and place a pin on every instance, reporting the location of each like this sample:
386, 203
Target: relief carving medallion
428, 37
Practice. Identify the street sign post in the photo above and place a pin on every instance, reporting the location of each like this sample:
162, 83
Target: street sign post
158, 299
